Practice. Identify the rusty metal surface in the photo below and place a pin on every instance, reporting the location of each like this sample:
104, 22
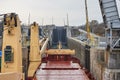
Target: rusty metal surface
60, 70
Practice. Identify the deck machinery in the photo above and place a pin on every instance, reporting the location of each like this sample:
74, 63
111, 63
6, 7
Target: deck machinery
37, 48
11, 49
59, 63
12, 57
35, 56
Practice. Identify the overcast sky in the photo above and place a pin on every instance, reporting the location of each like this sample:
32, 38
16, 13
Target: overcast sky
46, 9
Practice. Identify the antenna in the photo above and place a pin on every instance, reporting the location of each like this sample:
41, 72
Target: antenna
42, 21
67, 20
29, 19
68, 28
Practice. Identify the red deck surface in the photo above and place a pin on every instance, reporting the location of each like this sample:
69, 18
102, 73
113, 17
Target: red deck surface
60, 70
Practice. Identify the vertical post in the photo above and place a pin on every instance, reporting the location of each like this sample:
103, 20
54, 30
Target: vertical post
87, 57
111, 40
29, 20
68, 27
64, 21
42, 21
87, 21
67, 20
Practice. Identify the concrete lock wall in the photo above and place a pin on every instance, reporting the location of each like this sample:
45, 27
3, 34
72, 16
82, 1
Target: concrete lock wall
97, 62
96, 57
100, 67
114, 60
81, 52
111, 74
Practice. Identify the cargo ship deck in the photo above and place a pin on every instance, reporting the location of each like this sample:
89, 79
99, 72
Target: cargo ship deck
60, 70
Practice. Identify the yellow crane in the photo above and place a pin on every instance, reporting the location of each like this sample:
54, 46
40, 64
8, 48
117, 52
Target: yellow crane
90, 37
34, 57
12, 49
37, 48
87, 21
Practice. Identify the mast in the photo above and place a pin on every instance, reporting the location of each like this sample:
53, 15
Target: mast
29, 19
87, 21
67, 20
